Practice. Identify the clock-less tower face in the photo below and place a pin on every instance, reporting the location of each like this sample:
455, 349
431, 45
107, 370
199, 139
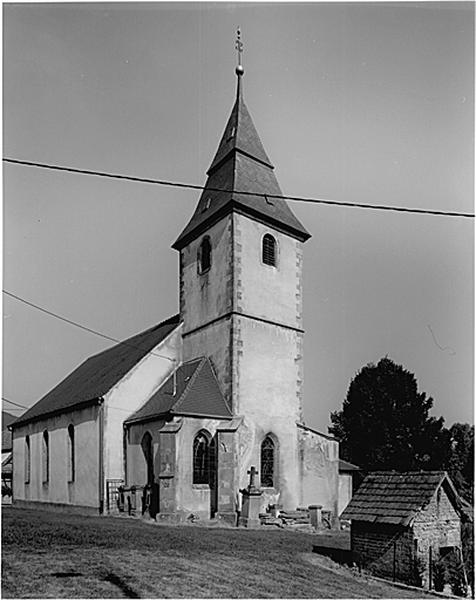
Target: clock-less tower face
241, 298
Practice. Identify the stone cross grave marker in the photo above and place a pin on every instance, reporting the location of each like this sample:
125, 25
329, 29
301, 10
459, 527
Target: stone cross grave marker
252, 473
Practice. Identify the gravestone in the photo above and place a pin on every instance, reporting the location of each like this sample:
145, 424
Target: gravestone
251, 502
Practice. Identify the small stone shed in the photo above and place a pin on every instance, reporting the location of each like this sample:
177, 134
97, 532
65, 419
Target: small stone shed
401, 522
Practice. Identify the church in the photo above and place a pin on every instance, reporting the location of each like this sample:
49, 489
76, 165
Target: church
185, 410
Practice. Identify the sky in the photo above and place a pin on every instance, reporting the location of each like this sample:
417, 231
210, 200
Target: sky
370, 103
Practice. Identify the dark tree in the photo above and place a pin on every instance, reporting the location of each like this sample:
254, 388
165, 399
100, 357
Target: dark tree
461, 461
385, 424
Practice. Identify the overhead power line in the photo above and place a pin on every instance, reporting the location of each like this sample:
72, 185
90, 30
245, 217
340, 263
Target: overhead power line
243, 193
14, 403
107, 337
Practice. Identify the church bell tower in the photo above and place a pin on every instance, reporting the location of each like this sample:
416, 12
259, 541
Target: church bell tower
241, 299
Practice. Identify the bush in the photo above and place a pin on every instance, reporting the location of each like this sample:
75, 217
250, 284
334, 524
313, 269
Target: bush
456, 573
6, 490
418, 571
440, 575
467, 539
458, 584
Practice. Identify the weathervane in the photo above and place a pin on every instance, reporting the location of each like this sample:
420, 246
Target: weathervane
239, 48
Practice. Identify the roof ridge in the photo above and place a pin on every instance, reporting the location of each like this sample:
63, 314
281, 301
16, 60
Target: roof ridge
188, 387
96, 375
126, 342
405, 473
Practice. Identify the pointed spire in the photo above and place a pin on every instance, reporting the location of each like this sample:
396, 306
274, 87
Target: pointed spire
240, 134
241, 165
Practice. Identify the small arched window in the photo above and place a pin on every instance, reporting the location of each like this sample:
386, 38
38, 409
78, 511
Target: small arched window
268, 458
202, 449
269, 250
27, 459
147, 449
45, 457
71, 456
204, 255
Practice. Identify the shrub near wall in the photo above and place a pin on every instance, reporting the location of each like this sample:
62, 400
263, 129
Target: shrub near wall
467, 540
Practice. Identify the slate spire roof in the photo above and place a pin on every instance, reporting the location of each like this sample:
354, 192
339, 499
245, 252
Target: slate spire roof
390, 497
241, 164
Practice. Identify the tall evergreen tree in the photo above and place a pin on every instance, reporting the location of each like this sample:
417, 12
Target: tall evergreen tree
385, 423
461, 461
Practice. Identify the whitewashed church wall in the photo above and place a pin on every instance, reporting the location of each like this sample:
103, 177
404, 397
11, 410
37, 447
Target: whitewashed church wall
84, 490
136, 468
264, 291
130, 393
267, 392
206, 296
319, 468
345, 490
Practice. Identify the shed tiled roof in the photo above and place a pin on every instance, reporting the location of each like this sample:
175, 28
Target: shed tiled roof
242, 164
197, 393
99, 373
390, 497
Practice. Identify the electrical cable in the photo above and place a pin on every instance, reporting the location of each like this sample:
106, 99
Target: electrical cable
242, 193
15, 403
88, 329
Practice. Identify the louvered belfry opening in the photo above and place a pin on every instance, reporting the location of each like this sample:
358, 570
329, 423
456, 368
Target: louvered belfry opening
269, 250
204, 255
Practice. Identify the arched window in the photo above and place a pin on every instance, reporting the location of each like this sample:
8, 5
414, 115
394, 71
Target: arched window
27, 459
204, 255
45, 458
212, 463
71, 457
201, 458
268, 458
269, 250
147, 449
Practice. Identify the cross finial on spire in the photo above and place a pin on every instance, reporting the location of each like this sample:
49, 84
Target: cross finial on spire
239, 47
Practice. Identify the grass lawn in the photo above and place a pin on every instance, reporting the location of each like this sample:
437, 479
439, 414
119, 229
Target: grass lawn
55, 555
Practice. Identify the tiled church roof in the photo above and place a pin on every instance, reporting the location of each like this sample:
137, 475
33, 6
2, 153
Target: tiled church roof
99, 373
196, 393
242, 164
390, 497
